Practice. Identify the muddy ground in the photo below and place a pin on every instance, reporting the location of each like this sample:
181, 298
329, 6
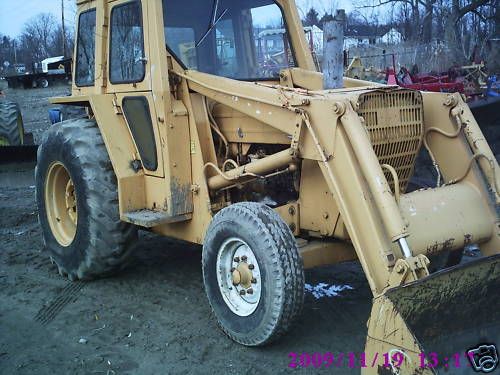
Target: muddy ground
152, 318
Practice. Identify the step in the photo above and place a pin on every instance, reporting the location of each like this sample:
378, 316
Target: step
151, 218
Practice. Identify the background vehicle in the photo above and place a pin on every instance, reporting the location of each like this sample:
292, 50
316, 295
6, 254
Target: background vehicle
48, 72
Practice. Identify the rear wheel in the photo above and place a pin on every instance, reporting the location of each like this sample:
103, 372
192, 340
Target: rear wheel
253, 273
77, 200
43, 83
11, 124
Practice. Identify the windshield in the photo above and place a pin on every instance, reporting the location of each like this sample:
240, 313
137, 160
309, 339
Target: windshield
240, 39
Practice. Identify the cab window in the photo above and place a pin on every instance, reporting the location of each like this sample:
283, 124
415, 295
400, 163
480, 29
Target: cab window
229, 38
85, 49
127, 62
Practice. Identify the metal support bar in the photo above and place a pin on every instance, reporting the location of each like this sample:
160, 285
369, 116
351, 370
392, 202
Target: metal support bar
370, 166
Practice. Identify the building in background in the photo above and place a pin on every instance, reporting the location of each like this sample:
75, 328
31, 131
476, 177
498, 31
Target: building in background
364, 35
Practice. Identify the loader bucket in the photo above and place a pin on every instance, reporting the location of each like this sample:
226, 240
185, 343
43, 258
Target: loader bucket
430, 326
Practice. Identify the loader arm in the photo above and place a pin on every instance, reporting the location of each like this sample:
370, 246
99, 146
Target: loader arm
331, 133
326, 127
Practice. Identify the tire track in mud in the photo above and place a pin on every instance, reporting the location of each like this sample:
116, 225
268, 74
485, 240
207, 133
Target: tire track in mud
69, 294
43, 263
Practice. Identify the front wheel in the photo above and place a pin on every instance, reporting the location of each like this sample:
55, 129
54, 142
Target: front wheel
253, 273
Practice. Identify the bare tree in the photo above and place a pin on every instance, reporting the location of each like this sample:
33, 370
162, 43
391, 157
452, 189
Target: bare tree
311, 18
37, 37
468, 25
57, 45
464, 25
41, 38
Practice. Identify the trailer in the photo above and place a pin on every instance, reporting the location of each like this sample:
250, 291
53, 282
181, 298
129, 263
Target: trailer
50, 71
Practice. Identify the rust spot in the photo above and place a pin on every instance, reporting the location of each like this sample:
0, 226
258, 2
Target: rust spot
182, 198
432, 249
438, 247
448, 244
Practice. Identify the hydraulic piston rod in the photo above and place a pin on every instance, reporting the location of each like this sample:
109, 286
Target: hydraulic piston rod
258, 167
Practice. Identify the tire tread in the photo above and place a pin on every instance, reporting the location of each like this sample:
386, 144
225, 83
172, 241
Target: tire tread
9, 113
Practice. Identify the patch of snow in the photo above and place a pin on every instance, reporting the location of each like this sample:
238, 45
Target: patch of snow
323, 290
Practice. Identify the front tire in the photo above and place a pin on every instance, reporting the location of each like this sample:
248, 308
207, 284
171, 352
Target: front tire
247, 248
77, 197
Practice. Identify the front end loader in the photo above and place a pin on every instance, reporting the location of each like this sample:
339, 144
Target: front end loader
206, 127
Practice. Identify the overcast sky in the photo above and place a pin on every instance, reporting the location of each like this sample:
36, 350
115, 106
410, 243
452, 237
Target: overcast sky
13, 14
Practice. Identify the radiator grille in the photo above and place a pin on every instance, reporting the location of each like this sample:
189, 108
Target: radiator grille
394, 120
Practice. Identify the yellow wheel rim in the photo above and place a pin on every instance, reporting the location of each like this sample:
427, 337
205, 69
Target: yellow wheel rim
60, 204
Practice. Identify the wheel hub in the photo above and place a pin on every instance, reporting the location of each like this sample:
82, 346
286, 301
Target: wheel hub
61, 204
71, 201
242, 276
238, 276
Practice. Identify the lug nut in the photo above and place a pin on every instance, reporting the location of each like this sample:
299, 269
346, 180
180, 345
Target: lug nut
233, 269
237, 259
251, 266
254, 280
250, 291
242, 292
244, 258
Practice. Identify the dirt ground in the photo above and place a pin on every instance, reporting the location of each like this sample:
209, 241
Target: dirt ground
152, 318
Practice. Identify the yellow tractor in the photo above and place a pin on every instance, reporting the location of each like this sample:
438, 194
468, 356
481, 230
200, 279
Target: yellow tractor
193, 133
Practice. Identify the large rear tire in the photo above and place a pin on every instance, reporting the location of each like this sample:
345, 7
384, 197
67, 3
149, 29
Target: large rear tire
253, 273
11, 124
77, 199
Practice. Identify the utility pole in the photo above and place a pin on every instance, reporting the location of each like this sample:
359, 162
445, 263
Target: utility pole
15, 51
333, 51
63, 29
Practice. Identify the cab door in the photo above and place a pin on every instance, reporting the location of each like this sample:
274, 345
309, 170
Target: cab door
129, 78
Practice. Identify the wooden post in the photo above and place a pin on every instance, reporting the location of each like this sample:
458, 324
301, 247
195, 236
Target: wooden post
333, 51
